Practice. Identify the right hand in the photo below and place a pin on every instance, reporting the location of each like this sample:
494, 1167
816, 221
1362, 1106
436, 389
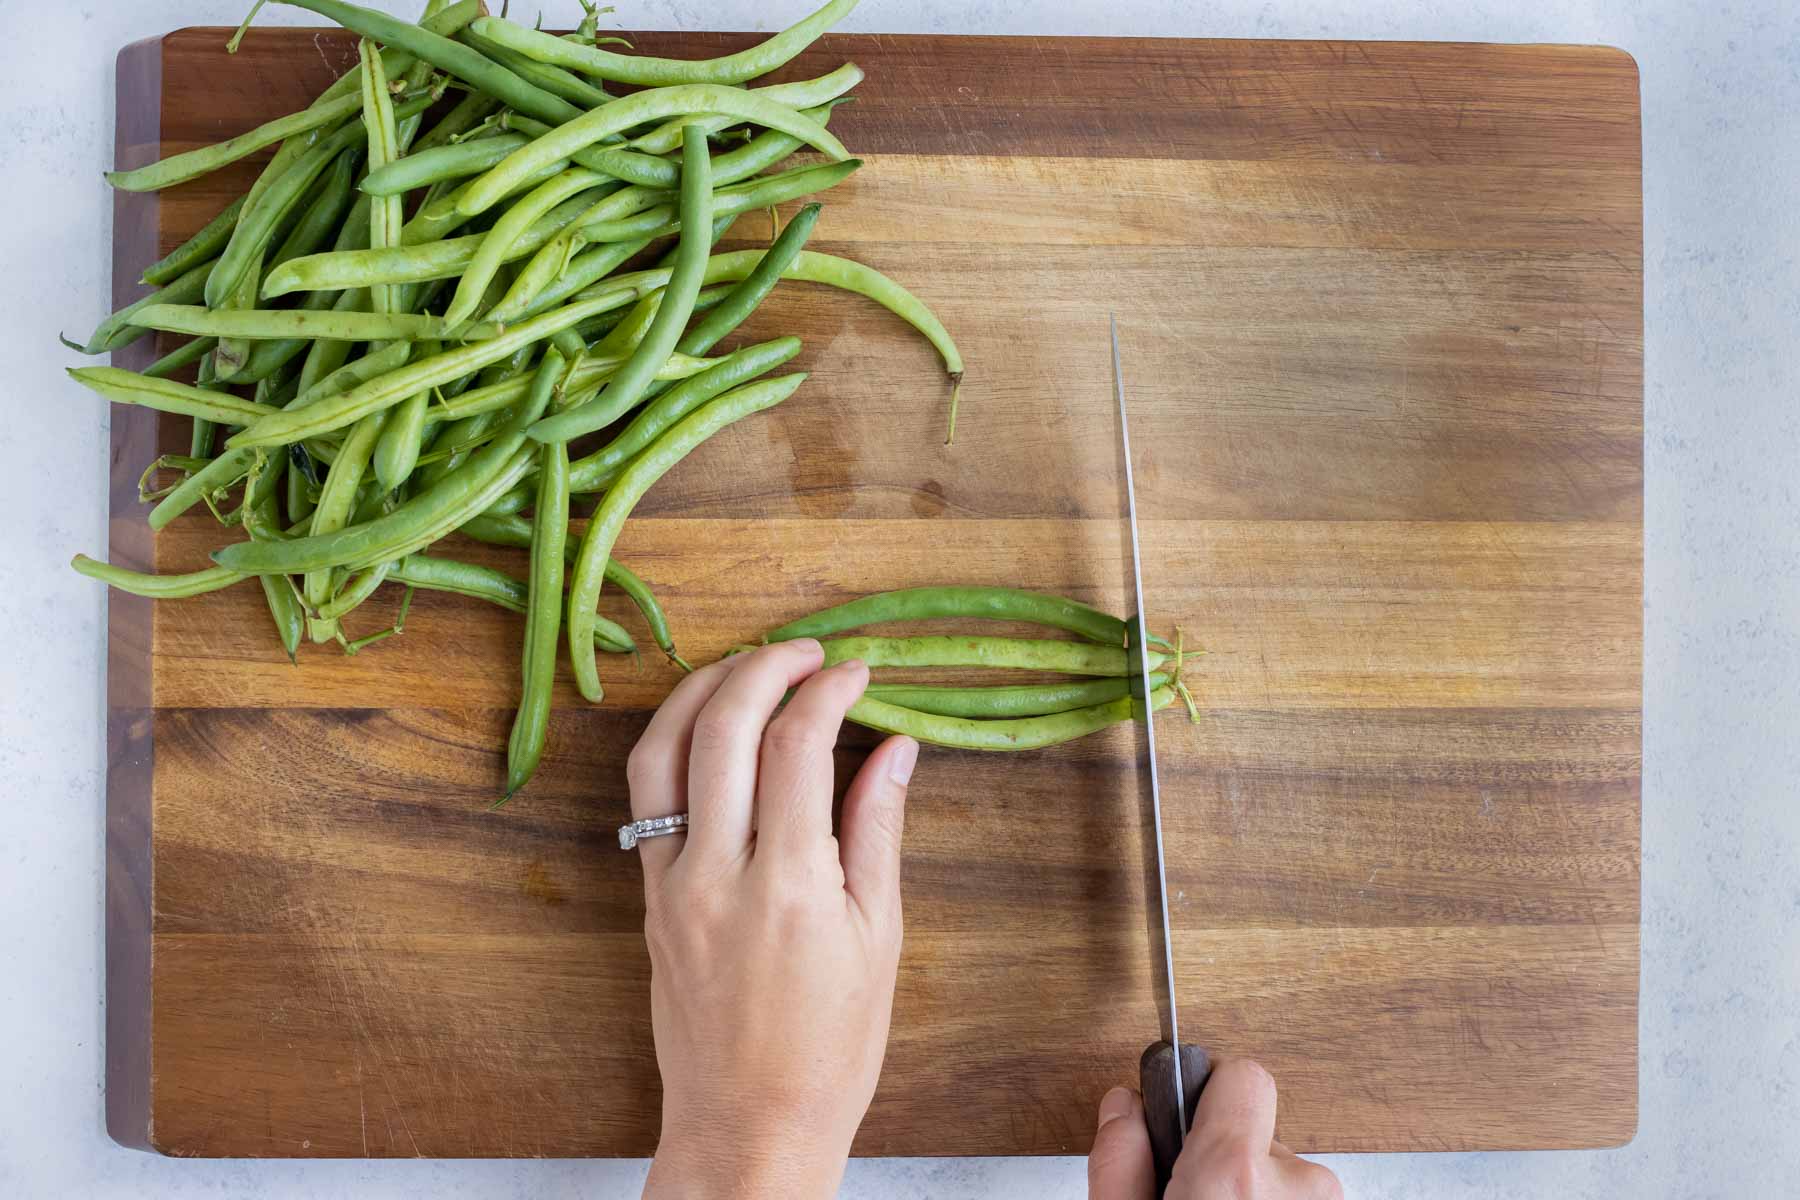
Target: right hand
1230, 1153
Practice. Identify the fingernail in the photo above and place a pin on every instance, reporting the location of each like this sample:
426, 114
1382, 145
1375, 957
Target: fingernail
900, 765
1115, 1104
808, 644
852, 665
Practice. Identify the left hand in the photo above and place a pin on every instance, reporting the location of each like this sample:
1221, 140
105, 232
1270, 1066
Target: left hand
773, 947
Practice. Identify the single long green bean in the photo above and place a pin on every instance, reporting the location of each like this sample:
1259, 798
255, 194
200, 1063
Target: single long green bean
300, 323
597, 471
337, 503
157, 587
801, 94
980, 603
543, 616
990, 703
434, 573
467, 64
387, 390
1030, 654
645, 70
422, 168
1025, 733
551, 78
324, 216
202, 247
184, 355
627, 387
653, 104
118, 330
489, 474
397, 452
286, 611
191, 164
727, 202
386, 213
622, 497
165, 395
750, 291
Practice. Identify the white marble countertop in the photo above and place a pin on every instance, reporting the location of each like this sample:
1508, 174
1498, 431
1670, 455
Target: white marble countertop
1720, 1058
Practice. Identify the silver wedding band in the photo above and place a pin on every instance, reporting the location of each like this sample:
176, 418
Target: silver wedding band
630, 835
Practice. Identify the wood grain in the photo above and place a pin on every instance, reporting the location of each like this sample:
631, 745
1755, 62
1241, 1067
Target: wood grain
1380, 307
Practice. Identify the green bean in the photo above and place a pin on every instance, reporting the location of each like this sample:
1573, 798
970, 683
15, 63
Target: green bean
287, 612
354, 592
982, 603
165, 395
802, 94
582, 271
301, 501
184, 355
736, 308
489, 474
1068, 658
202, 247
300, 323
627, 387
593, 369
157, 587
513, 501
496, 587
255, 227
424, 167
468, 65
1026, 733
325, 215
386, 390
191, 164
990, 703
218, 475
497, 245
812, 267
333, 513
397, 453
469, 112
355, 373
269, 356
764, 150
646, 170
409, 262
386, 213
642, 69
231, 357
598, 470
118, 330
552, 79
644, 471
543, 617
760, 193
552, 259
488, 189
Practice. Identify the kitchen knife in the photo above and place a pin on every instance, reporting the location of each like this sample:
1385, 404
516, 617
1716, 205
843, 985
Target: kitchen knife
1170, 1080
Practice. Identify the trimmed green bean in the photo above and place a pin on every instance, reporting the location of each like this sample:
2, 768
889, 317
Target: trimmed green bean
165, 395
157, 587
655, 103
645, 70
202, 247
994, 703
489, 474
477, 582
191, 164
801, 94
627, 387
598, 470
467, 64
727, 202
1025, 733
334, 511
980, 603
638, 478
387, 390
1029, 654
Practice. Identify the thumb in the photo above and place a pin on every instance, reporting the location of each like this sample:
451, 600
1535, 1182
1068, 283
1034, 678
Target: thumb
1120, 1166
874, 815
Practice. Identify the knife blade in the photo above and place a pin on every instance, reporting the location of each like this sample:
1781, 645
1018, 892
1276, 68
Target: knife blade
1171, 1073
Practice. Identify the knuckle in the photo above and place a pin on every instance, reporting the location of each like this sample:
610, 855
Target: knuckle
790, 738
714, 729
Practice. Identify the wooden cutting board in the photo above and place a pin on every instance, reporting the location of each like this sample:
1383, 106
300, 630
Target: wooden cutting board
1381, 312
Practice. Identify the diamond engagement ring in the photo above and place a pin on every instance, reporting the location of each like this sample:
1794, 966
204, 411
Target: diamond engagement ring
630, 835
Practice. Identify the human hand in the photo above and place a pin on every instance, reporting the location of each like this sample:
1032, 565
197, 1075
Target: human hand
1230, 1153
773, 945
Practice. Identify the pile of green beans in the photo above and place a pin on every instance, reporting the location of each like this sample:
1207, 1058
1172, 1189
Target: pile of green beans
1008, 717
465, 254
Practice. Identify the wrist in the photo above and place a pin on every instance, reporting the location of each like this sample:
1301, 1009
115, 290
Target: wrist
742, 1165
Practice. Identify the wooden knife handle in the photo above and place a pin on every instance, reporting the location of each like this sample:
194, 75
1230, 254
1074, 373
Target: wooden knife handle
1156, 1075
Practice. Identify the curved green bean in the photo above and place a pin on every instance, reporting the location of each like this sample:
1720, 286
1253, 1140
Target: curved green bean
1029, 654
653, 104
981, 603
354, 373
638, 478
736, 308
647, 170
598, 470
627, 387
801, 94
184, 355
464, 62
436, 574
336, 509
422, 168
991, 703
202, 247
165, 395
1025, 733
386, 390
727, 202
645, 70
157, 587
191, 164
497, 245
